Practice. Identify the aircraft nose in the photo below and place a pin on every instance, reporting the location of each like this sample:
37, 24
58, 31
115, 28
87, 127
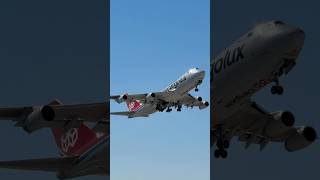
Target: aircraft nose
297, 35
287, 38
293, 35
201, 74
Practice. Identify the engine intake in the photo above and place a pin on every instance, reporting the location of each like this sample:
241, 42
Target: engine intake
309, 134
48, 113
283, 121
122, 98
204, 105
38, 118
301, 138
150, 97
287, 118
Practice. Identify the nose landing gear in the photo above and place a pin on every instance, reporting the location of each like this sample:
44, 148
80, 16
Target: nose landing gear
277, 89
196, 89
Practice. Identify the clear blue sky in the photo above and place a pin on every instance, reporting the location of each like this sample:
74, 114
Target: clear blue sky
152, 44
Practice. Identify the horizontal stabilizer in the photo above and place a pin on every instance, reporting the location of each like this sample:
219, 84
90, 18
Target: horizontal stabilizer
124, 113
47, 164
129, 114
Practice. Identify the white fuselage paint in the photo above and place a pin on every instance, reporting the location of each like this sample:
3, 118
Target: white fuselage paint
264, 49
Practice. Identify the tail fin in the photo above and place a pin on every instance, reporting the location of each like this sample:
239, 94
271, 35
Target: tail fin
74, 141
134, 105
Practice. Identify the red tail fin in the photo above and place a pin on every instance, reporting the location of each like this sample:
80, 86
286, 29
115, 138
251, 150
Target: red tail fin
75, 141
134, 105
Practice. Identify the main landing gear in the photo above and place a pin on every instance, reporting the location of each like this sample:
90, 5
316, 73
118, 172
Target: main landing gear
179, 108
168, 109
160, 108
222, 144
277, 89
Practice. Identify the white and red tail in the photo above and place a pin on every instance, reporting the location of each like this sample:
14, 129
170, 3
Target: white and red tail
74, 141
134, 105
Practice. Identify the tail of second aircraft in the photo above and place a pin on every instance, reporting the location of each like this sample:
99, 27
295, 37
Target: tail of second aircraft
74, 141
134, 105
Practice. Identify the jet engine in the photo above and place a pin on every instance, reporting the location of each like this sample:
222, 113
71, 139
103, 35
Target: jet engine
199, 98
284, 120
301, 138
122, 98
38, 117
150, 97
204, 104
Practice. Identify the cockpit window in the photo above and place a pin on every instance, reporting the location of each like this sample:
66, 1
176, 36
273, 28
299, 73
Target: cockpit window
192, 70
278, 22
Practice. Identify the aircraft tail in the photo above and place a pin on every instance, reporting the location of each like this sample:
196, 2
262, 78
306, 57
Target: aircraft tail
134, 105
74, 141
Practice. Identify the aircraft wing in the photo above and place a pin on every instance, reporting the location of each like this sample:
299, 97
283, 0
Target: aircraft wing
254, 125
13, 113
155, 96
190, 101
86, 112
47, 164
56, 115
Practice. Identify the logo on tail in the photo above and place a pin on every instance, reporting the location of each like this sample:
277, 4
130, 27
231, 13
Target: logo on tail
74, 141
69, 139
134, 105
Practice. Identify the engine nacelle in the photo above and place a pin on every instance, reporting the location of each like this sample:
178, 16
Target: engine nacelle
150, 97
300, 139
199, 98
122, 98
284, 120
38, 117
204, 104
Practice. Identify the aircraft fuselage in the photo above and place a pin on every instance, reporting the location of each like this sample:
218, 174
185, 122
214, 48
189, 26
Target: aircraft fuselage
252, 62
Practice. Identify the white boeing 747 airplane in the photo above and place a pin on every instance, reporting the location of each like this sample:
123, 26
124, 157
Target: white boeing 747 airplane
259, 57
176, 95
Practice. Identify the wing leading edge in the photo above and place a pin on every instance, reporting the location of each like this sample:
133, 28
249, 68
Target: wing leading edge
56, 115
